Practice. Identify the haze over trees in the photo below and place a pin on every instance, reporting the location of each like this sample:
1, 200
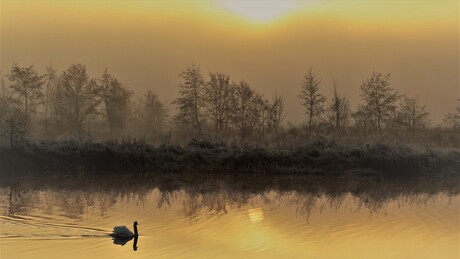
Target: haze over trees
210, 107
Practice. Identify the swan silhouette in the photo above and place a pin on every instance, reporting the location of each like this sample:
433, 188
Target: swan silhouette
124, 232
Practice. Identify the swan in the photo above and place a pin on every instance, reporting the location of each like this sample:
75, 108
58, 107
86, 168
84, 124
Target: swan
124, 232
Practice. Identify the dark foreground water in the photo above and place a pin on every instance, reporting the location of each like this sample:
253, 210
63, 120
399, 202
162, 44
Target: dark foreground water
65, 220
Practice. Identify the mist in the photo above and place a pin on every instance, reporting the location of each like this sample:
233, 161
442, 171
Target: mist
146, 51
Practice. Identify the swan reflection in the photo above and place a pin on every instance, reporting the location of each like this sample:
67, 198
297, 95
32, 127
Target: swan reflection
123, 240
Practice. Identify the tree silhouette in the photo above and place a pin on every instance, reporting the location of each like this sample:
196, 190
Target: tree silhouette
190, 100
27, 85
12, 122
50, 77
275, 113
218, 95
412, 114
154, 114
115, 99
79, 94
248, 105
453, 118
311, 98
340, 110
379, 99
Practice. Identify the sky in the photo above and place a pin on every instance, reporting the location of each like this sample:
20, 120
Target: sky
269, 44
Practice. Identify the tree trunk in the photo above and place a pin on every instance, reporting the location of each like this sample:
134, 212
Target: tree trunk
26, 108
11, 137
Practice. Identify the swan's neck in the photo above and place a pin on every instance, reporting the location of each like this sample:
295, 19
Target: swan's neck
135, 230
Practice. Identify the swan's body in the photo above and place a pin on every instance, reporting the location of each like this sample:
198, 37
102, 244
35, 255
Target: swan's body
124, 232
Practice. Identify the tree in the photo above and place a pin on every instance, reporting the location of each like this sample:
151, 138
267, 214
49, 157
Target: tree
49, 76
79, 95
154, 115
57, 104
379, 99
311, 98
2, 84
218, 95
340, 110
453, 118
115, 99
363, 120
412, 114
248, 106
27, 85
12, 122
275, 114
190, 100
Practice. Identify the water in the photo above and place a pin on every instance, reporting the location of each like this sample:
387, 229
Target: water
218, 220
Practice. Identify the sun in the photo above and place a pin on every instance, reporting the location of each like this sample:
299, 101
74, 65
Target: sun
261, 11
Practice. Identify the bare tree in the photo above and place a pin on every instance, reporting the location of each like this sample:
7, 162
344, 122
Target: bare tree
154, 115
363, 120
453, 118
190, 101
311, 98
115, 98
412, 114
340, 110
79, 95
57, 104
27, 86
12, 122
2, 83
49, 76
247, 109
275, 113
379, 99
218, 95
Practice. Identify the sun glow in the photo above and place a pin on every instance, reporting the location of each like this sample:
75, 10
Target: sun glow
260, 11
256, 215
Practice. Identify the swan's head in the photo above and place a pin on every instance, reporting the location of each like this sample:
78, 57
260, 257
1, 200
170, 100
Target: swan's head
135, 223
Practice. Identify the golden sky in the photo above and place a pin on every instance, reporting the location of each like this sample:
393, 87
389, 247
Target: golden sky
270, 44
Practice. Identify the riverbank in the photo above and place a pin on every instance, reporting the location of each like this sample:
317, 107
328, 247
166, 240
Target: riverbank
317, 158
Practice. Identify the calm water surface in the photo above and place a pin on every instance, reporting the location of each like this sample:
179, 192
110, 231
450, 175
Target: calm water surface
62, 222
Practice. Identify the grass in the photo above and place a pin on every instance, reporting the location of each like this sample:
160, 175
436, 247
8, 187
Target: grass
319, 158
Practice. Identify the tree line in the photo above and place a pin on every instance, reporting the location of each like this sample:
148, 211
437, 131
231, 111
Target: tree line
220, 108
70, 103
73, 104
381, 108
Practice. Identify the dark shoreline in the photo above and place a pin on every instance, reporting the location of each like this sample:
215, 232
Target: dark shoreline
319, 159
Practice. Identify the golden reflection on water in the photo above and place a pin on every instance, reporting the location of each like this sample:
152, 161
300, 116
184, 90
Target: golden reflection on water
186, 224
256, 215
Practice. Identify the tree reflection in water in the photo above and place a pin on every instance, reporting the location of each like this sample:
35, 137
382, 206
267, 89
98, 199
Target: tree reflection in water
213, 196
